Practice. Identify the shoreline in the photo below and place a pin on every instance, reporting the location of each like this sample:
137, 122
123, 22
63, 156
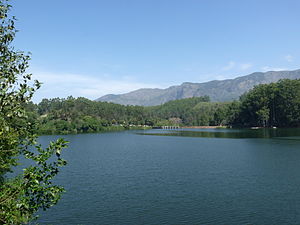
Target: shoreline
204, 127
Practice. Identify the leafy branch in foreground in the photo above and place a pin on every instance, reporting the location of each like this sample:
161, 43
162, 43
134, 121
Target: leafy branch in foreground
23, 195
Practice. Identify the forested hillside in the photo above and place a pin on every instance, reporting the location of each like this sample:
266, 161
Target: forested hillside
191, 111
275, 104
80, 115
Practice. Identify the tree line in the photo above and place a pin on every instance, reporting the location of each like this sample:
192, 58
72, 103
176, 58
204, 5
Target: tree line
266, 105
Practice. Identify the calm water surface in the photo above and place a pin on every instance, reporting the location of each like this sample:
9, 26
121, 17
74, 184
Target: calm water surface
180, 177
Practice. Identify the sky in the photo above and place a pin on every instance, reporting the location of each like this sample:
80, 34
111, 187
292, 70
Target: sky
94, 47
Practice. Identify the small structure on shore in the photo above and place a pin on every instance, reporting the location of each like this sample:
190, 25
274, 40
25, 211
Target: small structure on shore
170, 127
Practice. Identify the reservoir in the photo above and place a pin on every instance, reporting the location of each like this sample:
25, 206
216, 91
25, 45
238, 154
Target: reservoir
208, 176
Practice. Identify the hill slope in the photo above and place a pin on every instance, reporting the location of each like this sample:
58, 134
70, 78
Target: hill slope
217, 90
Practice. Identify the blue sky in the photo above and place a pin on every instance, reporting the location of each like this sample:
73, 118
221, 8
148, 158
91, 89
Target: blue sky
93, 47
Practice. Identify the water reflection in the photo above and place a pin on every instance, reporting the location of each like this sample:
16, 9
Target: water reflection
293, 134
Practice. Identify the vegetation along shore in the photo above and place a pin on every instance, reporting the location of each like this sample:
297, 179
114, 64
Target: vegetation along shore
266, 105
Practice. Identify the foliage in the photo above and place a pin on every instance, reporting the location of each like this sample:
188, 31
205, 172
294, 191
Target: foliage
80, 115
21, 196
268, 105
275, 104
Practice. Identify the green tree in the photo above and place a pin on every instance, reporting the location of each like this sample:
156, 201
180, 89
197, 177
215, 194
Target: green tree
263, 116
275, 104
23, 195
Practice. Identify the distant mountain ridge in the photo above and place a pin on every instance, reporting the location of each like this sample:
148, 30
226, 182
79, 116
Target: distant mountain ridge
217, 90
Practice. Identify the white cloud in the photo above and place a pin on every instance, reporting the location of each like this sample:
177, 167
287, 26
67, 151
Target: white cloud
187, 69
245, 66
268, 68
238, 66
229, 66
78, 85
221, 77
289, 58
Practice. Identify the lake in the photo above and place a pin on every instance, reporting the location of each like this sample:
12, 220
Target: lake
215, 176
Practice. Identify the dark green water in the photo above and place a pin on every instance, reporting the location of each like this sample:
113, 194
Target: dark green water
180, 177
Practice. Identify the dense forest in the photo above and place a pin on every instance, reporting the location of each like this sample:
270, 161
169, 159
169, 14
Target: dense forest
80, 115
267, 105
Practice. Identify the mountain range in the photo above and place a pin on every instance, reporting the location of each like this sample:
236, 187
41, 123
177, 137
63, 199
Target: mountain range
217, 90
